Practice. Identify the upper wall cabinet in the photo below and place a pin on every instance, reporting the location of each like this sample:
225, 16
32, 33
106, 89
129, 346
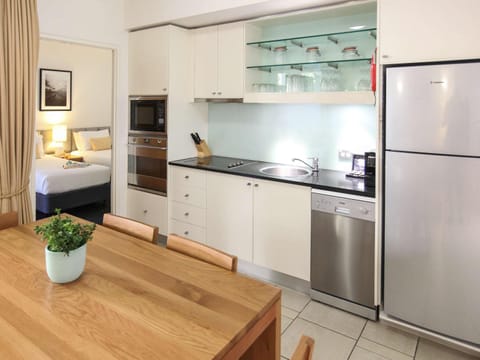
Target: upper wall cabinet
148, 53
219, 62
314, 56
428, 30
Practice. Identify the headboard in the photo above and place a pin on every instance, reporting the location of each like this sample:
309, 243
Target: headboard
70, 143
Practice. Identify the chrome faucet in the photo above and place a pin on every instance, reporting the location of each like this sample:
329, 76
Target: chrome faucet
314, 165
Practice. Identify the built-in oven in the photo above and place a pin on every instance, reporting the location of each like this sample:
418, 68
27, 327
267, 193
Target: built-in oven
148, 114
147, 163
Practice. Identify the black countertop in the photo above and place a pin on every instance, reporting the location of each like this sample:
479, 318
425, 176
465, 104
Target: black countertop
330, 180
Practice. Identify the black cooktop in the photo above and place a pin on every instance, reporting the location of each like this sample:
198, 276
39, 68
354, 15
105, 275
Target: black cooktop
216, 162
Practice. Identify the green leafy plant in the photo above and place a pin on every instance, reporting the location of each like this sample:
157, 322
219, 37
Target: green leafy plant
62, 234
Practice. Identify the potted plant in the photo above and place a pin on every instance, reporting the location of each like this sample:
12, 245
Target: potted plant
66, 248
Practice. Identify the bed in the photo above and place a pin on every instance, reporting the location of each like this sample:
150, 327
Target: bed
71, 187
93, 144
100, 157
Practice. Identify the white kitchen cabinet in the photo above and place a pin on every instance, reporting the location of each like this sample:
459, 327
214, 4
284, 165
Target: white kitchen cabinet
281, 226
148, 208
264, 222
148, 61
187, 208
229, 214
219, 61
427, 30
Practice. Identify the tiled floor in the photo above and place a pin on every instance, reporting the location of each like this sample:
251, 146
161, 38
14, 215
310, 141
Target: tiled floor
341, 335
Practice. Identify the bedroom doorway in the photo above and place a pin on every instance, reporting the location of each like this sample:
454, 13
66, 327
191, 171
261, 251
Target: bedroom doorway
74, 157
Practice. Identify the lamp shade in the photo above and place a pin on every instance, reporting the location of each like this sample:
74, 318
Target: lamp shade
59, 133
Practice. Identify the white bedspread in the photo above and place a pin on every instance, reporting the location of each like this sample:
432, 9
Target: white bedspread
52, 178
101, 157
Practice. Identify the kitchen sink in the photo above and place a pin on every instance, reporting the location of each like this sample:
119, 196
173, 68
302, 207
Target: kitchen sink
285, 171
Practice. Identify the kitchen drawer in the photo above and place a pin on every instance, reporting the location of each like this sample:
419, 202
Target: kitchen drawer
189, 195
189, 177
188, 213
189, 231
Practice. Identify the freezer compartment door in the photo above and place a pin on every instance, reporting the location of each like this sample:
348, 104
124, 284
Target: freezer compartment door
432, 243
434, 108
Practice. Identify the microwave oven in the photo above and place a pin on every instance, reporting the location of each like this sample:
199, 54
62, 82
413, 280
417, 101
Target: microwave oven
148, 114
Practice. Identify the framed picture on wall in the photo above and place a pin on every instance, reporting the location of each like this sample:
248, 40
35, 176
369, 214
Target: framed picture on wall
55, 90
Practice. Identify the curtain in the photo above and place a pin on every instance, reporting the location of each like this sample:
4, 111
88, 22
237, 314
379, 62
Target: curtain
19, 41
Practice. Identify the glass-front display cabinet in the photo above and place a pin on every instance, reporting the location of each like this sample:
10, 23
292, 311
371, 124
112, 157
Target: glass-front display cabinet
314, 56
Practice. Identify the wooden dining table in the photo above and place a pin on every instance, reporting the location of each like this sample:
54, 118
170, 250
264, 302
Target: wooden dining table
135, 300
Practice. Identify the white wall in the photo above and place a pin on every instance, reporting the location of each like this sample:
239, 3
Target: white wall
188, 13
91, 84
98, 22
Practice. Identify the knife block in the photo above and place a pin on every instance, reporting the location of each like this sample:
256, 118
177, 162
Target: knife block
203, 150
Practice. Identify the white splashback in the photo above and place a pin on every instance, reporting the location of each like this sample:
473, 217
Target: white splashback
279, 132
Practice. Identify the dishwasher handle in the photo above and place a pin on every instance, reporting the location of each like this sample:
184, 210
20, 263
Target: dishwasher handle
342, 210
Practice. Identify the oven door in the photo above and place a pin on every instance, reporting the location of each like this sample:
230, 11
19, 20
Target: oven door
147, 168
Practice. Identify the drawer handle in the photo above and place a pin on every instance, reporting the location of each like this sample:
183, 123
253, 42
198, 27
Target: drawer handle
187, 177
186, 214
185, 232
256, 185
249, 184
186, 195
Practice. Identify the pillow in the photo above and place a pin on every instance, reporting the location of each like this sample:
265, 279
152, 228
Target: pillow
82, 138
101, 143
39, 151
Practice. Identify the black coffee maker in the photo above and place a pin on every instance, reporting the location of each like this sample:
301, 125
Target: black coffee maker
370, 161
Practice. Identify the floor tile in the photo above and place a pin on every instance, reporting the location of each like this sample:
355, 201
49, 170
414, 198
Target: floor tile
390, 337
362, 354
293, 299
334, 319
428, 350
382, 351
285, 322
328, 344
291, 314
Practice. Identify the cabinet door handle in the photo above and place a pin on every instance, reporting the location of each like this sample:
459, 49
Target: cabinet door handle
145, 211
187, 177
385, 56
213, 92
164, 89
219, 93
249, 184
186, 214
185, 232
256, 185
186, 195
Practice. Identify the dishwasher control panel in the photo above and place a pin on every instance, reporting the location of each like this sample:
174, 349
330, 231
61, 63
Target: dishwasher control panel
357, 209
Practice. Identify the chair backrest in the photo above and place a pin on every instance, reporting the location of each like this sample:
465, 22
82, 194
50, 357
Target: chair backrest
131, 227
304, 349
202, 252
8, 219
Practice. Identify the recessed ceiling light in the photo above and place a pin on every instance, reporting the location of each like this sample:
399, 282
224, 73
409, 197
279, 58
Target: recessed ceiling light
357, 27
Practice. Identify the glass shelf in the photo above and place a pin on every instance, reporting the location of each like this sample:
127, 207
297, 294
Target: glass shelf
308, 66
316, 40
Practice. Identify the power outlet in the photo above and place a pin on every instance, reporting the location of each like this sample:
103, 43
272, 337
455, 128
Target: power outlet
344, 155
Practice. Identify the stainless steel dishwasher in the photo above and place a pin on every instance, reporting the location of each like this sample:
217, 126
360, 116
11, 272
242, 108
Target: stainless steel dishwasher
343, 252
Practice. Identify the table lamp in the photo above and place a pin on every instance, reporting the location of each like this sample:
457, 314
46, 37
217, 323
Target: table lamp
59, 136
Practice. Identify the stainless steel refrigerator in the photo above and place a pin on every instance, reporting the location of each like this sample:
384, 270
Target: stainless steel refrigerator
432, 198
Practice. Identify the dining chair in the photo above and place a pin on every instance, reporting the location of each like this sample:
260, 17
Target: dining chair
304, 349
8, 219
131, 227
202, 252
